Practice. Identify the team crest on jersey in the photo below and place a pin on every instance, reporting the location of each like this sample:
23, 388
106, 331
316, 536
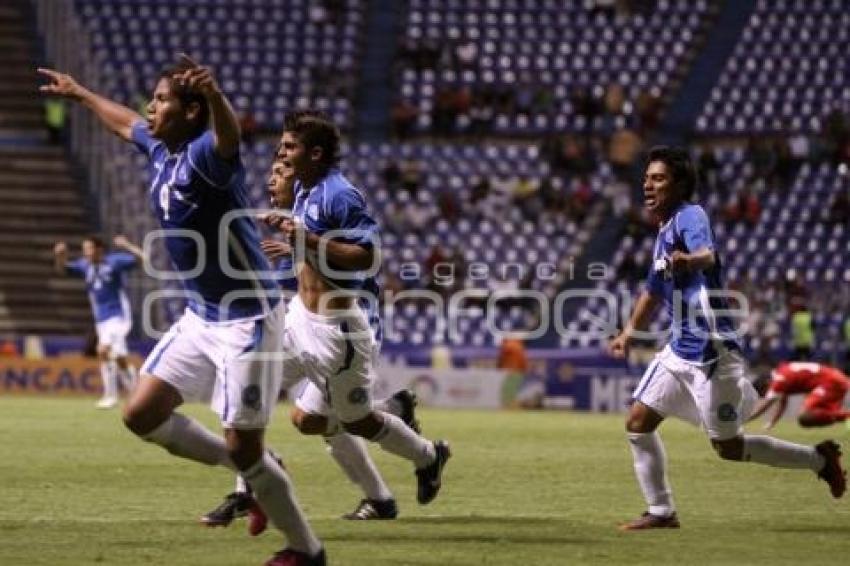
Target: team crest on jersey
726, 412
358, 396
252, 397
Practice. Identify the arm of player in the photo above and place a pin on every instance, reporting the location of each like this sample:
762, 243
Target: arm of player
60, 258
645, 307
118, 118
700, 260
346, 256
762, 407
225, 124
777, 414
120, 241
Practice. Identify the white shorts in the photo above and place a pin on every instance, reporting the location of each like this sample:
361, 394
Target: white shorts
112, 333
336, 353
236, 365
718, 397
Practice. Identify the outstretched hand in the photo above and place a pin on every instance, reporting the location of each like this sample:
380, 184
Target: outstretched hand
60, 248
61, 84
121, 241
274, 249
196, 78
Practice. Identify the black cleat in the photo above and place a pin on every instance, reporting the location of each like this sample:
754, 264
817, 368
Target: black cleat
832, 472
429, 478
407, 400
370, 509
234, 506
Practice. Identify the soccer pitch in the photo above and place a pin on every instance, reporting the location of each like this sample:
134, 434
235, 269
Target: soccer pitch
521, 488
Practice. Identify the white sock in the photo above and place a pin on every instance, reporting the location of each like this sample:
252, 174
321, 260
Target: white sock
397, 438
650, 461
188, 438
351, 454
780, 453
241, 484
109, 375
273, 491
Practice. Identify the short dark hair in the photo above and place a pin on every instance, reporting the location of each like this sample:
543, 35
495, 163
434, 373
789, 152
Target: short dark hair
183, 94
95, 239
678, 161
314, 128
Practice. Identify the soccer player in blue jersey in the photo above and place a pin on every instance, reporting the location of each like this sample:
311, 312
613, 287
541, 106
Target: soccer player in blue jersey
700, 375
333, 329
105, 275
226, 342
349, 452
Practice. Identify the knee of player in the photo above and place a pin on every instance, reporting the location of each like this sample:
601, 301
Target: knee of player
308, 423
731, 449
367, 427
135, 420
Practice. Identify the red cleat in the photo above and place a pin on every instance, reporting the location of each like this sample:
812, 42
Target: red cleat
289, 557
832, 472
257, 520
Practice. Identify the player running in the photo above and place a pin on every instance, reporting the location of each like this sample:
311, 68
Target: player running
333, 329
226, 342
700, 375
824, 386
105, 276
348, 451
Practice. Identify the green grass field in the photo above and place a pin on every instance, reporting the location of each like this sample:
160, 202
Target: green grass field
522, 488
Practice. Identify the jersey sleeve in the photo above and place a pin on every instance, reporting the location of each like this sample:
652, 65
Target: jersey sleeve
692, 225
349, 212
655, 282
214, 169
76, 267
123, 261
779, 382
141, 138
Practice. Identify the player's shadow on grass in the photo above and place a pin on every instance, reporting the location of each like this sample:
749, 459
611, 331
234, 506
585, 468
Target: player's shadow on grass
806, 529
521, 530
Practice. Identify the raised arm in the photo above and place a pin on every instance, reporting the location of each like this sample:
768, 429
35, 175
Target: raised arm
121, 242
60, 257
225, 124
645, 307
118, 118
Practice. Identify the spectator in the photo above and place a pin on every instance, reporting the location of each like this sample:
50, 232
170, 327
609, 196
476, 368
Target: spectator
623, 151
411, 176
403, 115
54, 119
248, 126
525, 196
391, 175
839, 210
802, 334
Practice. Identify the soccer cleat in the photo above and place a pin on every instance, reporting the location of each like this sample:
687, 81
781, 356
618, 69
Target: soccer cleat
650, 521
407, 400
107, 402
369, 509
234, 505
290, 557
832, 472
429, 478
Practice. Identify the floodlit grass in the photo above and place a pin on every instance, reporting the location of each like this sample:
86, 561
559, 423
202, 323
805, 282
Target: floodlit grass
521, 489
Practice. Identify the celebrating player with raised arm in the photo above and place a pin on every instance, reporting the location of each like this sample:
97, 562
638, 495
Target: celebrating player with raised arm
700, 375
105, 278
225, 342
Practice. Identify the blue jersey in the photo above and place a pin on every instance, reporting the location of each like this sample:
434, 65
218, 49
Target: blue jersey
222, 268
286, 274
334, 204
701, 330
105, 284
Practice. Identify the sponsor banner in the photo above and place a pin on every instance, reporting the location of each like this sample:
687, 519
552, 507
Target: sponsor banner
60, 375
465, 388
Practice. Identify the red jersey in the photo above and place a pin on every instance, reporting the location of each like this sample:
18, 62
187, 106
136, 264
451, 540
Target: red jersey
804, 377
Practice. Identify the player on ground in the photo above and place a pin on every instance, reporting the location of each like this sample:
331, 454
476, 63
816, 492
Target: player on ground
333, 329
700, 375
105, 275
225, 342
349, 452
825, 387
